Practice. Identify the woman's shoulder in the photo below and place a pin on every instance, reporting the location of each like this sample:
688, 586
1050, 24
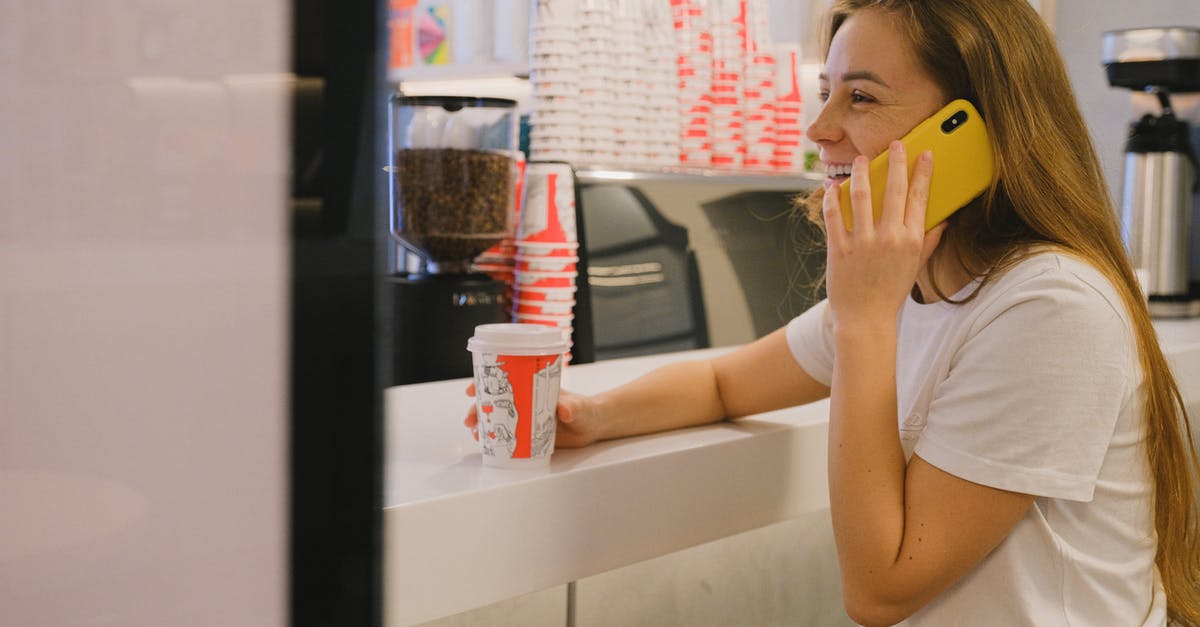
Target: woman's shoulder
1058, 282
1050, 270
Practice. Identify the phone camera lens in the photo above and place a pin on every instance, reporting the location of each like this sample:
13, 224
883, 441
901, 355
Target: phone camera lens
954, 121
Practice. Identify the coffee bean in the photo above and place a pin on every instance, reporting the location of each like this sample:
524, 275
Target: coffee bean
453, 204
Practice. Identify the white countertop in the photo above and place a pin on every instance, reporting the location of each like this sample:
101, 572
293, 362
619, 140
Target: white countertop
459, 536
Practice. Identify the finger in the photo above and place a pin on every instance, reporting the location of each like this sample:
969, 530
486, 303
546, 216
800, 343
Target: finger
918, 191
835, 225
860, 196
472, 418
565, 412
895, 192
471, 389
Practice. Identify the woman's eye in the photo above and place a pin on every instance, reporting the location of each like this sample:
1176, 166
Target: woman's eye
823, 95
858, 96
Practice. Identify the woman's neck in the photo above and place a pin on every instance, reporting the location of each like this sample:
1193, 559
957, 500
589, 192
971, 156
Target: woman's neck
943, 269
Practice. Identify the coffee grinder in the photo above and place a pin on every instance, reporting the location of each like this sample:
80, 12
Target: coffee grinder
1162, 175
451, 177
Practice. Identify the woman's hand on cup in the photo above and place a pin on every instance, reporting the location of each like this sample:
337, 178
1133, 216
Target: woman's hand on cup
577, 422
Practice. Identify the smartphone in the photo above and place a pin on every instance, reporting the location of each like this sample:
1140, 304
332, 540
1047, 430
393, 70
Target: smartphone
963, 165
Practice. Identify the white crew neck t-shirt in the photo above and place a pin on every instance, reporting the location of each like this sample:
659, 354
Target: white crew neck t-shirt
1033, 387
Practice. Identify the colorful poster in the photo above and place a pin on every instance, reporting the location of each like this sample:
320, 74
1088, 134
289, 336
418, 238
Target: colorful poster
433, 35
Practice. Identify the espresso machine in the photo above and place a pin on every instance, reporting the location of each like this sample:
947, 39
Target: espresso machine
1162, 174
451, 169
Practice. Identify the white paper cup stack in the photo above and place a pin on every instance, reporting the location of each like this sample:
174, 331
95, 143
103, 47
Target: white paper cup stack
547, 247
597, 83
630, 84
554, 64
661, 122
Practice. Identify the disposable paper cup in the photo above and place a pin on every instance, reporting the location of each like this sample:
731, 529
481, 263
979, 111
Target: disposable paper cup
546, 264
544, 307
529, 293
561, 323
517, 368
545, 279
548, 214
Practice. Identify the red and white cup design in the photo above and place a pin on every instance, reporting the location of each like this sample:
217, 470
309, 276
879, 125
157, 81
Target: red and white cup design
544, 307
545, 263
538, 294
564, 323
530, 278
548, 213
547, 249
517, 368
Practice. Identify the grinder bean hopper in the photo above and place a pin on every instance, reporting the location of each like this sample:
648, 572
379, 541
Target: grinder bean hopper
450, 179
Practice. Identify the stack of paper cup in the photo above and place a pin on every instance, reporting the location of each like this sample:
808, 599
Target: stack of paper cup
629, 84
758, 93
789, 155
554, 66
759, 102
499, 261
597, 83
547, 249
729, 44
517, 370
661, 122
694, 64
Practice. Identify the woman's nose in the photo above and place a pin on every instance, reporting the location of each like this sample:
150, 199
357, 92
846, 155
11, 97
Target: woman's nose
824, 127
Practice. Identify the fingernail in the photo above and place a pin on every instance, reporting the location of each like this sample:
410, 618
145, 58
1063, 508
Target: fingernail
927, 156
827, 183
897, 146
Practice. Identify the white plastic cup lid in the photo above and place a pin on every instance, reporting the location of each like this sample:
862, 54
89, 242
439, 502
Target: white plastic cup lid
517, 339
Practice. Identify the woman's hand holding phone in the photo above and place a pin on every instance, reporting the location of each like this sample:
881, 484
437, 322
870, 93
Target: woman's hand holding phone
872, 268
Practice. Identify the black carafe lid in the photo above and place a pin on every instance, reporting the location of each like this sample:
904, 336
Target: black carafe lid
1159, 133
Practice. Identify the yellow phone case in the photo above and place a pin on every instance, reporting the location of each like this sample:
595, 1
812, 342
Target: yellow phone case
962, 162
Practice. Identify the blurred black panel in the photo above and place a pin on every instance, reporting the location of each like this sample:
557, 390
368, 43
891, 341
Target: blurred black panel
337, 261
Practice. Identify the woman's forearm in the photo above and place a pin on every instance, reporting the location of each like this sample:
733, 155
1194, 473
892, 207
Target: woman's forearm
866, 461
677, 395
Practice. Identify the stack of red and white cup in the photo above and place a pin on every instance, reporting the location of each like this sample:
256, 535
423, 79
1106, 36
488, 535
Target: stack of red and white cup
789, 155
547, 248
694, 63
758, 93
728, 79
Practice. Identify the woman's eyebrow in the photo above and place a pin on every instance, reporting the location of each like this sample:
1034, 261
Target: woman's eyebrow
857, 75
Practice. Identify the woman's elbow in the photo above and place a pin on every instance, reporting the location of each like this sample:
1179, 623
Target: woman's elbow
869, 611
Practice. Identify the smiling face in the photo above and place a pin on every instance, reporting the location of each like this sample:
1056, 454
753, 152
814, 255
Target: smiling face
874, 91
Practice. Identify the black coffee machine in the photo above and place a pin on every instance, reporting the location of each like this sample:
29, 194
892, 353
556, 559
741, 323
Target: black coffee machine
1162, 174
451, 170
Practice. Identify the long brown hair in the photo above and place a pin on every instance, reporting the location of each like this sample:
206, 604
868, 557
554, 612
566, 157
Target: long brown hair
1049, 190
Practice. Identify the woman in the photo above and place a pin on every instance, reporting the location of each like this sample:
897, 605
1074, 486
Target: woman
1041, 472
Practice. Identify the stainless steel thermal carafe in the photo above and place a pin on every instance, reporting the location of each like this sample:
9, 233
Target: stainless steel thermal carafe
1156, 211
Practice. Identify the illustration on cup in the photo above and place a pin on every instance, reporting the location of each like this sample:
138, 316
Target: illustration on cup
517, 398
